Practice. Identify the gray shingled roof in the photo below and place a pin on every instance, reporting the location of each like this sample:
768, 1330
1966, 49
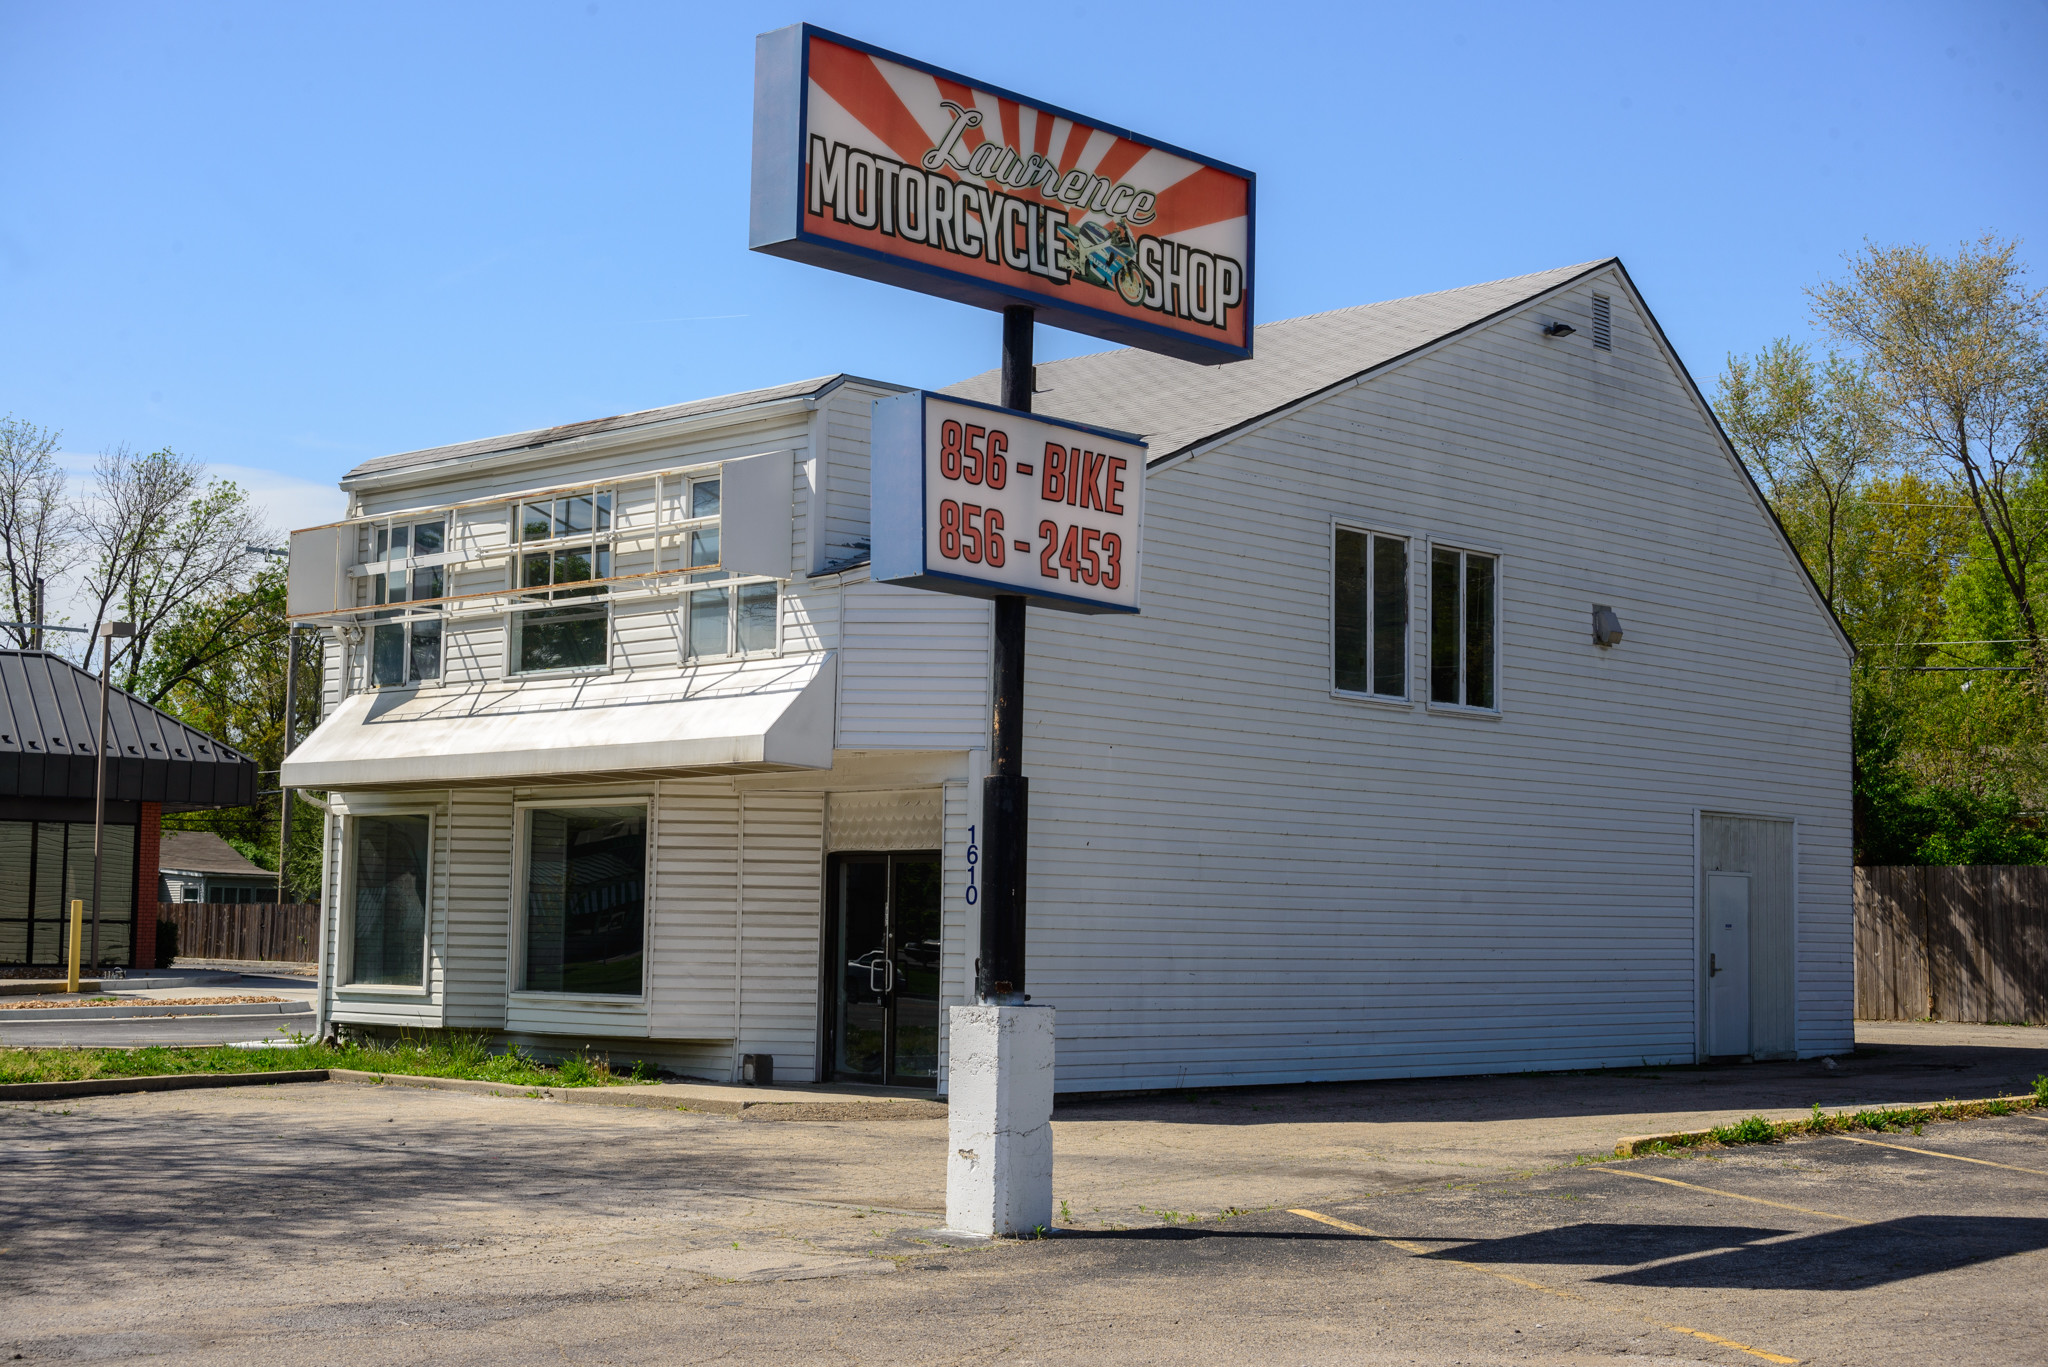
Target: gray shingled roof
204, 852
522, 441
1175, 404
49, 715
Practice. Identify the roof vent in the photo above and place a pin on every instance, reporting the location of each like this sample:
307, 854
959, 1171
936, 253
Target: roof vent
1603, 322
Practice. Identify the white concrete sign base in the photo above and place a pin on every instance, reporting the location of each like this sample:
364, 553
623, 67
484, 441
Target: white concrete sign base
999, 1154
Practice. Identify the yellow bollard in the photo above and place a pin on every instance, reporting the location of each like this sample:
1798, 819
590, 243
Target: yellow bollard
77, 931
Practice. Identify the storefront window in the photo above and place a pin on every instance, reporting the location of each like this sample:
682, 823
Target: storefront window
586, 918
388, 939
43, 866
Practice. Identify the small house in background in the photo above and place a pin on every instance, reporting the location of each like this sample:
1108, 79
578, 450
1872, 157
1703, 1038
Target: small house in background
199, 866
49, 722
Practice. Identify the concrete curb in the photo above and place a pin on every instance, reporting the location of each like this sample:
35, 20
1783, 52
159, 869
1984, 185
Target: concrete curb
164, 1082
44, 987
137, 1010
1636, 1145
668, 1097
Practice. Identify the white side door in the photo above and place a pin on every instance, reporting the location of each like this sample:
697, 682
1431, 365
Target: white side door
1727, 963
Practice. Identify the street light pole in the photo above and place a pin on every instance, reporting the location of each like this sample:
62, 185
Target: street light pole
109, 631
291, 707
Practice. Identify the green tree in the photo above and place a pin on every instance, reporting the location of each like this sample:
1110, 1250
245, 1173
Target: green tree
1954, 350
220, 664
1811, 434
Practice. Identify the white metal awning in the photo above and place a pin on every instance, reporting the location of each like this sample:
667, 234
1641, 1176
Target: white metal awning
751, 716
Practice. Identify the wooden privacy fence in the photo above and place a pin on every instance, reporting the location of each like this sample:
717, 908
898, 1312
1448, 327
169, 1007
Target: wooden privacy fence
1958, 943
288, 933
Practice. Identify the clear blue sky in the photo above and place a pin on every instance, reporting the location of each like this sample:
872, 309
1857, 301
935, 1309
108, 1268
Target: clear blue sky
286, 237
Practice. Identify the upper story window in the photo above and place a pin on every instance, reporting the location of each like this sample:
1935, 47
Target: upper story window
1369, 635
566, 539
551, 566
1464, 593
407, 564
721, 617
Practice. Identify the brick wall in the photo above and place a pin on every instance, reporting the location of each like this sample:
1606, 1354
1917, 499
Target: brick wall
149, 841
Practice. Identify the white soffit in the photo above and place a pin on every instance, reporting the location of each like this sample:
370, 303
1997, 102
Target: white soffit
767, 714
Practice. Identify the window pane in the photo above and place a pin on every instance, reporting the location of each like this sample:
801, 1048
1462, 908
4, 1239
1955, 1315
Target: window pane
604, 512
560, 638
394, 583
426, 538
390, 931
707, 622
585, 907
426, 650
1479, 630
398, 539
376, 588
571, 566
426, 583
1443, 626
1390, 616
537, 523
387, 654
383, 537
704, 546
534, 570
704, 498
572, 514
1349, 628
757, 617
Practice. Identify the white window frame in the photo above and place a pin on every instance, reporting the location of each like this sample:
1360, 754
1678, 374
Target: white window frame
519, 548
727, 581
515, 930
345, 922
1411, 541
1465, 548
368, 571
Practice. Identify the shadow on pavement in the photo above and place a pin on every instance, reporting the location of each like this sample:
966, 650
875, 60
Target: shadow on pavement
1843, 1259
1618, 1245
1875, 1073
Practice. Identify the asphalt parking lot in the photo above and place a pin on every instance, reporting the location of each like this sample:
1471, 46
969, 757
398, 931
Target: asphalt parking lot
321, 1223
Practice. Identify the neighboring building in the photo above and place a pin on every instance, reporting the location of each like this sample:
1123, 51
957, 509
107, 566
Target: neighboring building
199, 866
49, 720
1358, 794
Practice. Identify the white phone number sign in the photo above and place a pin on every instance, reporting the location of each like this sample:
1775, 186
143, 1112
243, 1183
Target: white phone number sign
973, 499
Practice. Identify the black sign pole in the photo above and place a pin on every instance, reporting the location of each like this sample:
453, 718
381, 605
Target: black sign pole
1005, 793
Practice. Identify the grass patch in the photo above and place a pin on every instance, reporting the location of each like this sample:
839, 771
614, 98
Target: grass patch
454, 1054
1755, 1130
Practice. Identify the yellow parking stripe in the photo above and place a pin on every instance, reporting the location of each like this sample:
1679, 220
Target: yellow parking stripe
1733, 1195
1908, 1148
1408, 1247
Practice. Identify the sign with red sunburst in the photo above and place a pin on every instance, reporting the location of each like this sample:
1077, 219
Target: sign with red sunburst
880, 166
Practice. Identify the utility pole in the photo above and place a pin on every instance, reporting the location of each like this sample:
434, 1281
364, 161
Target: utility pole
1006, 793
109, 631
291, 712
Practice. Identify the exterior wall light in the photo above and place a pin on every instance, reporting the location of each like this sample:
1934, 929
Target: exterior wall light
1558, 329
1606, 626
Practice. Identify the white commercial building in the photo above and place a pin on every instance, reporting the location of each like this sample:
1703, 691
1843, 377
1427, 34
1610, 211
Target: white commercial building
1369, 788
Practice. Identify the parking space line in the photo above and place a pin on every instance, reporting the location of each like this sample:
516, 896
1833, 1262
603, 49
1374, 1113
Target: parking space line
1408, 1247
1908, 1148
1733, 1195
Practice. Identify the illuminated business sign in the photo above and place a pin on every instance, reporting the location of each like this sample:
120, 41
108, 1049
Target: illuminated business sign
874, 164
979, 500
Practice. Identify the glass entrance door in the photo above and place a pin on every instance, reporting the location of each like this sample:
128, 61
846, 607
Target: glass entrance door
883, 948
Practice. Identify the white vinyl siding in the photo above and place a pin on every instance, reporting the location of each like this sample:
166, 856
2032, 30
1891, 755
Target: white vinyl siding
1237, 878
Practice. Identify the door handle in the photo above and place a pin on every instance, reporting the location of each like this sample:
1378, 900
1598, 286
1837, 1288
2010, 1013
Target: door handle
1713, 965
881, 976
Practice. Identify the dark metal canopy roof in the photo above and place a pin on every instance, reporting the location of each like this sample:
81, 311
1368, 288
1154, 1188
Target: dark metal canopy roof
49, 716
